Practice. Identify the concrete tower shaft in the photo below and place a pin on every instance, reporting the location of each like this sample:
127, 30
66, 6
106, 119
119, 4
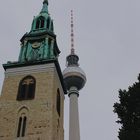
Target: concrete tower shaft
74, 127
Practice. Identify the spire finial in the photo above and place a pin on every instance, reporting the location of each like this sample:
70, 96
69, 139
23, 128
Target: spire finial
45, 7
45, 1
72, 34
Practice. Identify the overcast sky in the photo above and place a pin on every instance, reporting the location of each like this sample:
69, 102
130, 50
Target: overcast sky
107, 40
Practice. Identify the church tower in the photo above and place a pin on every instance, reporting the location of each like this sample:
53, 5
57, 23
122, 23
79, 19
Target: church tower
32, 98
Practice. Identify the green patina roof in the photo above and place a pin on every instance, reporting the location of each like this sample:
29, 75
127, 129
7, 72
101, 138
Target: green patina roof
43, 14
40, 43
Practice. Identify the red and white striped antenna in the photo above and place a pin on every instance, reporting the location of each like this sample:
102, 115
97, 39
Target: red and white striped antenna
72, 34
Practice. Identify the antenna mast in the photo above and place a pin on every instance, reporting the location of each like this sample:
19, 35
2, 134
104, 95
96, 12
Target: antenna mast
72, 34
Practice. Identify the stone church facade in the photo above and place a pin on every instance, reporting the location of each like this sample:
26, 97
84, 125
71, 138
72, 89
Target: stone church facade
32, 98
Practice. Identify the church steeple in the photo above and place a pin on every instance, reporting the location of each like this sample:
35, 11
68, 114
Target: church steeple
43, 20
40, 43
33, 89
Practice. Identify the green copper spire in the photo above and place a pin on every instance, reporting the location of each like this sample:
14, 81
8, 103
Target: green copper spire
45, 7
40, 43
42, 22
45, 1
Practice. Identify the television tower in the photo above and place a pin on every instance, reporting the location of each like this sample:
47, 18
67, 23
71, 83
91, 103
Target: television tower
74, 79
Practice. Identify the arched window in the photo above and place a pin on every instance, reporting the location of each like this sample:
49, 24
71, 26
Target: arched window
21, 126
22, 122
48, 23
58, 102
26, 89
40, 23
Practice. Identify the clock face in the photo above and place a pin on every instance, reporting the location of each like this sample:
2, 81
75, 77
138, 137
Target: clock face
36, 45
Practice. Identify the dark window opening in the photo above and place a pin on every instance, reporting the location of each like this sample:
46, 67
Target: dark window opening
58, 105
40, 23
31, 90
48, 23
24, 126
49, 42
21, 126
37, 24
26, 89
22, 91
52, 26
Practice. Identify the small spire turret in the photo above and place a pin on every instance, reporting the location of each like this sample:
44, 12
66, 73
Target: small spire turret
45, 7
45, 1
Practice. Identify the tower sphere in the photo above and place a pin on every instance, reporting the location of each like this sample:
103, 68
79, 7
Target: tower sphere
74, 76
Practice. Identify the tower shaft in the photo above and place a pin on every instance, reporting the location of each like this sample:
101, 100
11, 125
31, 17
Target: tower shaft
74, 129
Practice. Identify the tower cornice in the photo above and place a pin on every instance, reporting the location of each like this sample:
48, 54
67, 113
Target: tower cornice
38, 35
